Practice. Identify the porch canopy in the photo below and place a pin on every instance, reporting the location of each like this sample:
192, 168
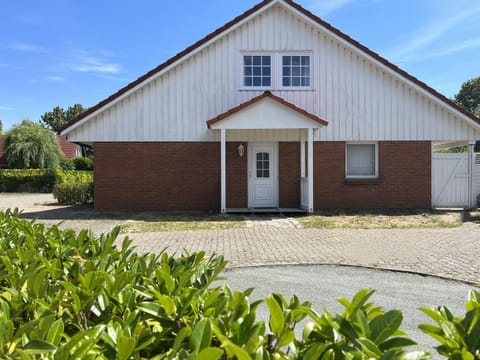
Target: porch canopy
268, 112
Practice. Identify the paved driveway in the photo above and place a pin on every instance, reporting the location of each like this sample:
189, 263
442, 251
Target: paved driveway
322, 285
451, 253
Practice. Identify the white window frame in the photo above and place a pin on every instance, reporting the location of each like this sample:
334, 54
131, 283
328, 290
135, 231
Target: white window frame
272, 71
276, 70
280, 71
376, 160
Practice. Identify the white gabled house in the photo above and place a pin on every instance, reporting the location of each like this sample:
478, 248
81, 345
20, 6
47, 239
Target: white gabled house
276, 109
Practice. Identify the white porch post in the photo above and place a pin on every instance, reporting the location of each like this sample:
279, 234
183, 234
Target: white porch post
223, 172
302, 157
471, 177
310, 170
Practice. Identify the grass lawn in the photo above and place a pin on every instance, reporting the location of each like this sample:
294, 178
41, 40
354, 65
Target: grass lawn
159, 221
381, 220
151, 222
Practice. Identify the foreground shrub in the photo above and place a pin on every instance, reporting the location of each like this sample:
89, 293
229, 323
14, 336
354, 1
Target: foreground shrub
75, 296
459, 337
74, 193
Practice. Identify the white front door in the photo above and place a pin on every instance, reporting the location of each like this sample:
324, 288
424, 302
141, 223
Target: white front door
263, 175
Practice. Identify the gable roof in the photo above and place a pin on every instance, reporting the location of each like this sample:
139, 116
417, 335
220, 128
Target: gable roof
244, 16
266, 94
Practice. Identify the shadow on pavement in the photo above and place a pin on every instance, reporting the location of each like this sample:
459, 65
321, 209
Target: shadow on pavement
72, 213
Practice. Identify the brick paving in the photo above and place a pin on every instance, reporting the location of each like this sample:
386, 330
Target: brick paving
447, 252
450, 253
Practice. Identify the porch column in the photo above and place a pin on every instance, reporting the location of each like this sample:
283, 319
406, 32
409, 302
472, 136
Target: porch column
471, 175
310, 170
223, 172
302, 157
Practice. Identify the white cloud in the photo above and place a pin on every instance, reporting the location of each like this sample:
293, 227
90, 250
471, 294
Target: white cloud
6, 108
324, 7
86, 62
20, 46
420, 40
464, 45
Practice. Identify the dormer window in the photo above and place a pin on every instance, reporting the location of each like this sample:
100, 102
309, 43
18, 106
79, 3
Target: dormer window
257, 71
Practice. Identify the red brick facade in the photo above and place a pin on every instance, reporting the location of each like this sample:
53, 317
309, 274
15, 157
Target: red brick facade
404, 178
186, 176
237, 176
157, 176
289, 174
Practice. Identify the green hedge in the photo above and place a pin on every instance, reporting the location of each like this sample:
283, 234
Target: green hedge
27, 180
76, 296
80, 163
83, 163
74, 193
73, 176
66, 164
39, 180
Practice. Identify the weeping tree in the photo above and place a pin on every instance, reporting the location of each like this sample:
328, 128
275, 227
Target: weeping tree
31, 146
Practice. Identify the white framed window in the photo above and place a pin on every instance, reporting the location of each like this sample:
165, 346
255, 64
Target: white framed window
296, 70
276, 70
361, 160
257, 71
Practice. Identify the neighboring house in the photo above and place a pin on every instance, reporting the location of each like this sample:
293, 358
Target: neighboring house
69, 150
276, 109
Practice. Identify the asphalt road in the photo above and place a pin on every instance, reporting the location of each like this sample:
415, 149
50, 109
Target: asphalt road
322, 285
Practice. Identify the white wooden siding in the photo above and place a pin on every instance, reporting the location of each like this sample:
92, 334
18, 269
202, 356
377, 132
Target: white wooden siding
361, 99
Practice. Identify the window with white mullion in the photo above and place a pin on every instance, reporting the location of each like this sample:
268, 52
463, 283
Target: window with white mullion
362, 160
257, 71
296, 71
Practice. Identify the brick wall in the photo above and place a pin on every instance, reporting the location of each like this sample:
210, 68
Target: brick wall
157, 176
404, 178
186, 176
289, 174
237, 176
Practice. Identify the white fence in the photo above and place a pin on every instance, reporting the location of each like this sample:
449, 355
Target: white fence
455, 180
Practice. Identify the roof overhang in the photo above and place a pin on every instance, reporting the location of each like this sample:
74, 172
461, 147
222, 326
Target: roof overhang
439, 145
266, 111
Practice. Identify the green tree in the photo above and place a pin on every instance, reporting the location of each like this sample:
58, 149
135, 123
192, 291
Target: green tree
30, 145
58, 117
469, 96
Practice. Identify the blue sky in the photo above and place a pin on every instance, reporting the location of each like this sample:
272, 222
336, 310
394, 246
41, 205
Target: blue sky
62, 52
